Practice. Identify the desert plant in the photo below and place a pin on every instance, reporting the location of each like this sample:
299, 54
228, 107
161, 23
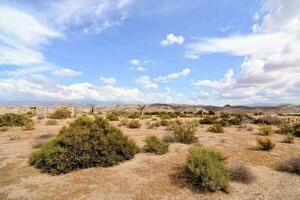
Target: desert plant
215, 128
4, 128
285, 129
169, 138
123, 122
289, 138
269, 120
206, 169
208, 119
111, 116
164, 122
155, 145
265, 130
291, 165
12, 119
51, 122
153, 125
61, 113
264, 143
296, 129
85, 143
134, 123
240, 172
184, 133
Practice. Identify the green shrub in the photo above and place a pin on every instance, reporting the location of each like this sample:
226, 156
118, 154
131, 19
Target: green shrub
51, 122
61, 113
289, 138
206, 169
155, 145
215, 128
269, 120
296, 130
134, 123
184, 133
285, 129
240, 172
12, 119
208, 120
264, 143
111, 116
265, 130
85, 143
291, 165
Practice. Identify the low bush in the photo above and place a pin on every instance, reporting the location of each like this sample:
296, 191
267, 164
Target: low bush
28, 125
51, 122
215, 128
111, 116
134, 123
12, 119
269, 120
184, 133
291, 165
123, 122
206, 170
289, 138
155, 145
85, 143
208, 119
285, 129
61, 113
264, 143
296, 130
153, 125
240, 172
164, 122
265, 130
4, 128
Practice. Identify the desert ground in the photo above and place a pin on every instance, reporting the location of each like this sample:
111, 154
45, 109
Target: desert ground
146, 176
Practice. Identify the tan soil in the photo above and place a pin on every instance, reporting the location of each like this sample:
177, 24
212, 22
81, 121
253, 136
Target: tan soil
147, 176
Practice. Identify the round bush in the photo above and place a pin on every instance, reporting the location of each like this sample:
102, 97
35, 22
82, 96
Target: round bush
85, 143
62, 113
134, 124
155, 145
206, 169
184, 132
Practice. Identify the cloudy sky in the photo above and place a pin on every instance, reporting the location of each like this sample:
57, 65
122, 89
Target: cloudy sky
167, 51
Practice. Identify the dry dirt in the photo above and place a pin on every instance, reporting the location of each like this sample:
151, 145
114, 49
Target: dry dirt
146, 176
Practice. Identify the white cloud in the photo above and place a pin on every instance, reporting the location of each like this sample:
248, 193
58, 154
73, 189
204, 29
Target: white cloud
271, 68
64, 72
173, 76
108, 80
172, 39
146, 82
138, 65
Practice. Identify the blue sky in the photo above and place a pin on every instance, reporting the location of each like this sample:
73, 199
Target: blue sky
169, 51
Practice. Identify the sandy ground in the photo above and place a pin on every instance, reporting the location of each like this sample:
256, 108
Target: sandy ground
146, 176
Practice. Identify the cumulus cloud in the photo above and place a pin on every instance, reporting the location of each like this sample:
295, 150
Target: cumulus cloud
65, 72
271, 67
146, 82
138, 65
173, 76
108, 80
172, 39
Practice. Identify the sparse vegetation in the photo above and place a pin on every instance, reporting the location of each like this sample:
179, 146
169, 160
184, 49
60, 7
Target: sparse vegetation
240, 172
28, 125
296, 130
61, 113
266, 130
86, 142
289, 138
206, 170
12, 119
291, 165
112, 116
215, 128
134, 123
155, 145
184, 133
51, 122
264, 143
208, 119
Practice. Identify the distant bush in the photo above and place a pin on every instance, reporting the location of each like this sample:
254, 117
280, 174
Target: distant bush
153, 125
133, 115
266, 130
51, 122
85, 143
134, 123
169, 138
269, 120
111, 116
208, 120
215, 128
285, 129
28, 125
61, 113
296, 130
184, 133
12, 119
155, 145
240, 172
123, 122
291, 165
289, 138
206, 169
164, 122
264, 143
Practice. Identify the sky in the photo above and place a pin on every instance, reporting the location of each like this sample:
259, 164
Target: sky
213, 52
